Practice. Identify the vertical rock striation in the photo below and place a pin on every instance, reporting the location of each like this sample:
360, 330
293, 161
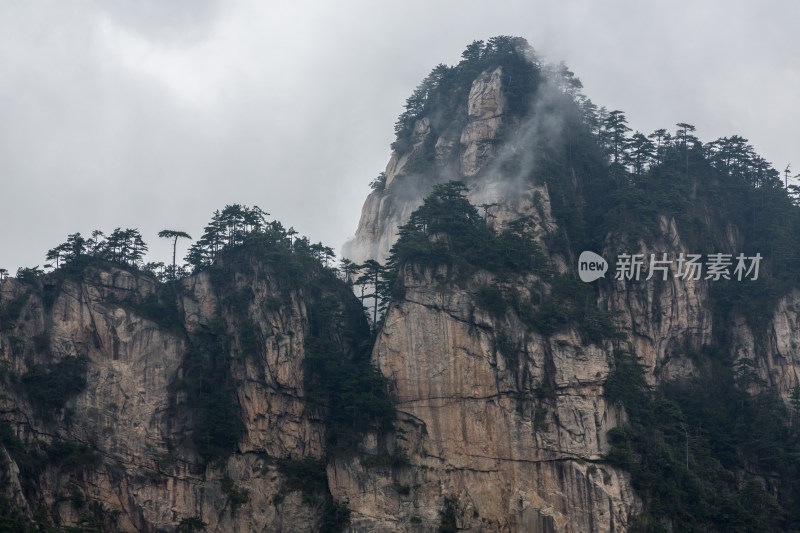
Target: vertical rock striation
133, 416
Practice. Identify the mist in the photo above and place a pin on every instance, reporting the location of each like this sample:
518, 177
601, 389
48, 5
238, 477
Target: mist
151, 116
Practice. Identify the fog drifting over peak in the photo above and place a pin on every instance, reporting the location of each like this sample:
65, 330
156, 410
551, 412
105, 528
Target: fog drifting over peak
152, 115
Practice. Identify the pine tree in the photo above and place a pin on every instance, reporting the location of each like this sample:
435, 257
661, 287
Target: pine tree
616, 127
372, 275
174, 235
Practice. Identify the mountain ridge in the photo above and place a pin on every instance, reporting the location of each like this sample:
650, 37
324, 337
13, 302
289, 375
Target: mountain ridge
494, 391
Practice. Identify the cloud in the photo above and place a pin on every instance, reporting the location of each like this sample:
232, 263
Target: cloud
167, 23
153, 114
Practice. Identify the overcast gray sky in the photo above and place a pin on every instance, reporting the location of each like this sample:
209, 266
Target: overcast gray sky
152, 114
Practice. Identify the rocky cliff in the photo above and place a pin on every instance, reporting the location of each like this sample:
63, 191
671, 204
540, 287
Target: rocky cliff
517, 441
512, 441
134, 460
242, 396
455, 155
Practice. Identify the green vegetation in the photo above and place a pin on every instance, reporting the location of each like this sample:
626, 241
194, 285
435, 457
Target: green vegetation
191, 524
9, 313
448, 520
379, 183
50, 389
396, 458
448, 230
442, 95
309, 475
32, 461
41, 342
342, 386
87, 523
704, 454
335, 516
71, 456
609, 188
160, 307
236, 496
11, 519
211, 391
122, 246
340, 380
746, 194
609, 185
174, 235
228, 229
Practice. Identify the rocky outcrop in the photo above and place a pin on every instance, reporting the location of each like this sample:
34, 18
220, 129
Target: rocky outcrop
482, 438
511, 442
133, 419
774, 351
514, 441
456, 155
502, 423
485, 110
665, 319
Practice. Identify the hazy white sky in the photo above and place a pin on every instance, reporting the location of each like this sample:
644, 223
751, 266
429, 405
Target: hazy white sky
152, 114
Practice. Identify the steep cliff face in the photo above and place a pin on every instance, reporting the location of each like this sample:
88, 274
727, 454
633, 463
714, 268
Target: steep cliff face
507, 442
774, 350
132, 405
666, 317
511, 441
518, 440
455, 157
133, 423
506, 427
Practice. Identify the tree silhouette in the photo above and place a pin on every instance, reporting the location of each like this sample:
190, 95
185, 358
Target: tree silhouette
660, 135
372, 274
193, 523
55, 254
379, 183
486, 214
616, 127
76, 245
641, 151
96, 242
348, 270
291, 232
684, 137
174, 235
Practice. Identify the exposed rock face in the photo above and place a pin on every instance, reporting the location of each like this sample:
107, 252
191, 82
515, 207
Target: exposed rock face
459, 156
775, 351
480, 435
663, 317
500, 427
485, 109
476, 421
477, 430
506, 441
149, 478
